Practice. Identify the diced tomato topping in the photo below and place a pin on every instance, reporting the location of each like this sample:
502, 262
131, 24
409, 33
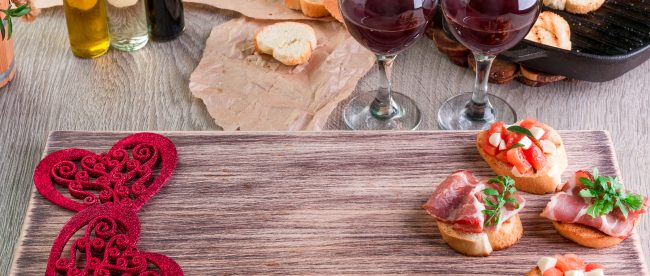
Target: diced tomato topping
553, 272
503, 156
535, 157
497, 127
593, 266
517, 158
529, 123
584, 174
512, 138
569, 262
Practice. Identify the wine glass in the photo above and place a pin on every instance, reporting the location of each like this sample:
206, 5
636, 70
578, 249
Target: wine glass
487, 28
385, 27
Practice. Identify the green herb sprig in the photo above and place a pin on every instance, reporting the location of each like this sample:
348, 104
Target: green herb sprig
607, 193
506, 196
9, 13
526, 132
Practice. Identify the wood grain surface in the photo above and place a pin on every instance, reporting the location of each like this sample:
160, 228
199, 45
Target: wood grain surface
148, 90
322, 203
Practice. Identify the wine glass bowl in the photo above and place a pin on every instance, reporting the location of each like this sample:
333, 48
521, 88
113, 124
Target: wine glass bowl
487, 28
385, 27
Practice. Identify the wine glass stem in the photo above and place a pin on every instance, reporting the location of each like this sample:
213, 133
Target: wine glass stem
479, 105
383, 107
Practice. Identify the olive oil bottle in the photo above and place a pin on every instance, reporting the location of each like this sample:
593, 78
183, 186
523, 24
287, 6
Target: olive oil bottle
87, 27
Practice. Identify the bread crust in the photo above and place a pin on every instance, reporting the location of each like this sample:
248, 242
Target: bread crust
585, 235
332, 6
313, 8
534, 272
292, 4
540, 182
469, 244
580, 8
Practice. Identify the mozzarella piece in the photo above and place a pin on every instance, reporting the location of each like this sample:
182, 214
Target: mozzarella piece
595, 272
574, 273
502, 145
495, 139
516, 172
537, 132
546, 263
526, 142
548, 147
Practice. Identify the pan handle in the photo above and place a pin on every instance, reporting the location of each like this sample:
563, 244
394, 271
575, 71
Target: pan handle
524, 52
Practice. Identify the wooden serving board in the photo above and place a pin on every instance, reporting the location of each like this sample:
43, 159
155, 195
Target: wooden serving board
322, 203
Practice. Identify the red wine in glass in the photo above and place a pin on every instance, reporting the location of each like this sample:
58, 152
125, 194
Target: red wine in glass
490, 27
487, 27
385, 27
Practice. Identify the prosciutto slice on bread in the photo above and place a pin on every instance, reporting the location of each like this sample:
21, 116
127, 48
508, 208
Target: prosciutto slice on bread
567, 206
459, 200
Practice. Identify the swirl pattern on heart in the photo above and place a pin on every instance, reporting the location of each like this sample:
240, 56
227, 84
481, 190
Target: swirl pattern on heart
124, 175
108, 246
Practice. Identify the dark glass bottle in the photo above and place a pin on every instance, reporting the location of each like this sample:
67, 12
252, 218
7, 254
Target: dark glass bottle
166, 19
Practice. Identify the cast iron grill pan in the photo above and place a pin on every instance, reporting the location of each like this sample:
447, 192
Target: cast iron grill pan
607, 43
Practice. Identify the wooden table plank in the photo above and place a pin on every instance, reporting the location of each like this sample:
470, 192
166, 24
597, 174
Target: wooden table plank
148, 90
324, 203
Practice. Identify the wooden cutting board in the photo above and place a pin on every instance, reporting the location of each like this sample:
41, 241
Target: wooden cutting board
322, 203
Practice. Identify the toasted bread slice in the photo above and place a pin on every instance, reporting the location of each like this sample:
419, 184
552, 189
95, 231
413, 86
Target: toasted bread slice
543, 181
313, 8
292, 4
534, 272
482, 244
582, 6
552, 30
585, 235
332, 6
555, 4
288, 42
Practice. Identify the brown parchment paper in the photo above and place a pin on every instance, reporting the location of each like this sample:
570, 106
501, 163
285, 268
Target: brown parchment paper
260, 9
244, 90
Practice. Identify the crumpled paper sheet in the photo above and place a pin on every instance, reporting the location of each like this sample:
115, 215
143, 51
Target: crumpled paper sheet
244, 90
260, 9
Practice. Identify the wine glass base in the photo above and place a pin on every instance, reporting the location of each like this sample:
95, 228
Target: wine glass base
357, 114
453, 113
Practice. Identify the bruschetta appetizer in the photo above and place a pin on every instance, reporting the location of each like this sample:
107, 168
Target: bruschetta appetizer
529, 152
565, 265
474, 216
594, 210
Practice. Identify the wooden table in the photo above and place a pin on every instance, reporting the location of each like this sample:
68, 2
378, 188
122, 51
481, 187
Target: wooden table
148, 90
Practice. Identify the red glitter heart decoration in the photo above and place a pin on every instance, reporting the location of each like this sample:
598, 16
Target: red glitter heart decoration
124, 175
108, 246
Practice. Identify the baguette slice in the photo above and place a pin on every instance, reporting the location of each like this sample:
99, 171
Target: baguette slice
582, 6
332, 7
543, 181
288, 42
313, 8
292, 4
552, 30
482, 244
585, 235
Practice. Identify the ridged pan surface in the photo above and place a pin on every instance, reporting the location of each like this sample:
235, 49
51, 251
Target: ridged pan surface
619, 27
